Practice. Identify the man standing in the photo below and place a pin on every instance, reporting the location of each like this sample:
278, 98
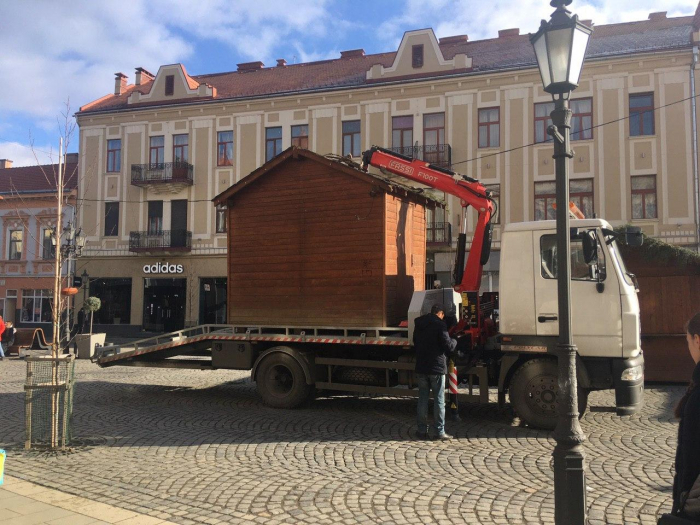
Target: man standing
2, 329
433, 346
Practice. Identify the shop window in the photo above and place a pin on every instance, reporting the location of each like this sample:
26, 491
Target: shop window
644, 197
115, 295
489, 128
15, 248
156, 152
224, 148
351, 138
114, 155
642, 114
48, 250
582, 119
543, 121
273, 142
36, 306
212, 300
300, 136
495, 190
111, 219
221, 219
402, 135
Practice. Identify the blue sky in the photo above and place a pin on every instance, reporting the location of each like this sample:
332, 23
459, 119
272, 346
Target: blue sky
58, 51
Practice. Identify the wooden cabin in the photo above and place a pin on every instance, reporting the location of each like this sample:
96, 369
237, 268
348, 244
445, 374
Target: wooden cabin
317, 242
669, 288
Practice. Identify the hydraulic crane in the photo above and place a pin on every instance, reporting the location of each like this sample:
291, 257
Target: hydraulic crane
476, 311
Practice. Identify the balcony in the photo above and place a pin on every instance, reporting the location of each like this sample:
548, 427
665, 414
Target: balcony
439, 234
163, 177
160, 241
436, 154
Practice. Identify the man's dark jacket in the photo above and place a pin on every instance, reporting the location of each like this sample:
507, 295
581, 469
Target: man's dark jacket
433, 345
688, 452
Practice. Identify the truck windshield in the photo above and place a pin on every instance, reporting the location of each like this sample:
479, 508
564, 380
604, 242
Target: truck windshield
617, 256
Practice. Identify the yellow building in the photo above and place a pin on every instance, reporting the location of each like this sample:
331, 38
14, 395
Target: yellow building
155, 152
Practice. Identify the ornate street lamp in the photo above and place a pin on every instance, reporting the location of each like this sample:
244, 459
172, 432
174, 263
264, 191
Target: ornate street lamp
560, 46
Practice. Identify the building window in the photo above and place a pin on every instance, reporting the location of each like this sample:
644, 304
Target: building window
495, 190
169, 85
115, 295
351, 138
224, 148
543, 121
644, 197
48, 250
300, 136
580, 193
273, 142
156, 154
641, 114
434, 150
489, 128
111, 219
36, 306
180, 148
114, 155
417, 56
582, 119
402, 135
16, 237
221, 219
155, 217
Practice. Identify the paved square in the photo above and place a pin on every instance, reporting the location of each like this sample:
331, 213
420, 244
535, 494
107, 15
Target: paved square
199, 447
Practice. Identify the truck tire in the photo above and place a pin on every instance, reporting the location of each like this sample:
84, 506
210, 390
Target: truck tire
281, 382
533, 393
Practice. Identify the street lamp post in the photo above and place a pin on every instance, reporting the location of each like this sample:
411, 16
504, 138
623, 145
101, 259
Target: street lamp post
560, 46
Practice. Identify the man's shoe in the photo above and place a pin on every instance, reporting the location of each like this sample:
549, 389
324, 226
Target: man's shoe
443, 437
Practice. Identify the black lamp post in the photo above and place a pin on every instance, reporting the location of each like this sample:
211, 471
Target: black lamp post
560, 46
69, 251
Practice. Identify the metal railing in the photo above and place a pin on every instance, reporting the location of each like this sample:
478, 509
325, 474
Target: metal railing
173, 240
162, 173
437, 154
439, 233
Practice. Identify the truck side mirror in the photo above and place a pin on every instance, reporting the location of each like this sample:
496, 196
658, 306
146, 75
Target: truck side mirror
590, 246
633, 236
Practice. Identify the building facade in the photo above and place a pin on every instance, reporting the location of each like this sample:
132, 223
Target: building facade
28, 215
158, 150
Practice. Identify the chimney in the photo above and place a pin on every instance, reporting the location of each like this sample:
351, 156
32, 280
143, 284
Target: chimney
250, 66
119, 83
352, 53
281, 62
508, 32
587, 23
654, 17
5, 163
71, 158
454, 39
143, 76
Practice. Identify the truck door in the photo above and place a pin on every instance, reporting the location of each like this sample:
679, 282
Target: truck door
595, 297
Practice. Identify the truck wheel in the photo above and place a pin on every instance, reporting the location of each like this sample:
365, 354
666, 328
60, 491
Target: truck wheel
281, 382
533, 393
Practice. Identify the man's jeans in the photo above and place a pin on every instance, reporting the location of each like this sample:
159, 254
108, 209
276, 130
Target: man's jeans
2, 354
425, 383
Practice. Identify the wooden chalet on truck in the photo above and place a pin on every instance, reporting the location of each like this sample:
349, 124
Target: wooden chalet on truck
313, 241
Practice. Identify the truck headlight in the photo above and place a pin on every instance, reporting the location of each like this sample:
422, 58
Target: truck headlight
632, 374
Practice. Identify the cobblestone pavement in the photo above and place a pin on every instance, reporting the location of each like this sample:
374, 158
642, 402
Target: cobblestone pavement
199, 447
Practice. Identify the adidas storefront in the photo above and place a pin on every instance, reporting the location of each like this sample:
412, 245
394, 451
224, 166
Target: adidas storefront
155, 294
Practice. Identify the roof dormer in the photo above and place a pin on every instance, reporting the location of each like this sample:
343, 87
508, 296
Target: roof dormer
171, 83
419, 54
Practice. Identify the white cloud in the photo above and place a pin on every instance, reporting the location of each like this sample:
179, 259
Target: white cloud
22, 154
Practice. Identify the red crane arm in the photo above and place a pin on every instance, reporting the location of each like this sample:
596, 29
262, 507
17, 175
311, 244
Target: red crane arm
470, 191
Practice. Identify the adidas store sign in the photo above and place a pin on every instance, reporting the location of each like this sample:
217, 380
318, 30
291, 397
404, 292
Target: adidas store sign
162, 268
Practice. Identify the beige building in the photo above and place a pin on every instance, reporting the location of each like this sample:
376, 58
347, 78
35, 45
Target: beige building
155, 152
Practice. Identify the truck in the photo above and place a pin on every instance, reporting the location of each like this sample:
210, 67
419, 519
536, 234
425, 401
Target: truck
506, 339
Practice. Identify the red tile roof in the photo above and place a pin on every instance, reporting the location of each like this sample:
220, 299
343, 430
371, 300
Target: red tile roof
35, 179
487, 55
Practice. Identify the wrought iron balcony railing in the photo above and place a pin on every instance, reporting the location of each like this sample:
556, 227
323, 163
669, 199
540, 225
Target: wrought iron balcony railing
178, 172
437, 154
439, 234
162, 240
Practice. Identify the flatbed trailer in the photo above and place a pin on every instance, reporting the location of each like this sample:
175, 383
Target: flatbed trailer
282, 359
